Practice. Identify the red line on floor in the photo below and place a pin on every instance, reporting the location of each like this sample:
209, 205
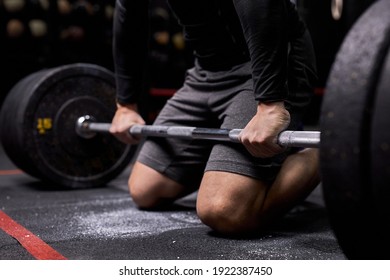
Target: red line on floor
32, 243
11, 172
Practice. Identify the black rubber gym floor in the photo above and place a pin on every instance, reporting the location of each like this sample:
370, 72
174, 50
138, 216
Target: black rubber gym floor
103, 223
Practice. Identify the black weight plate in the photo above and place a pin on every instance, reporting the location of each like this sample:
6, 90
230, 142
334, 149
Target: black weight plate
58, 98
380, 158
345, 123
11, 118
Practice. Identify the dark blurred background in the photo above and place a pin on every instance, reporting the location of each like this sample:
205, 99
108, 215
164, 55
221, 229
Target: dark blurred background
36, 34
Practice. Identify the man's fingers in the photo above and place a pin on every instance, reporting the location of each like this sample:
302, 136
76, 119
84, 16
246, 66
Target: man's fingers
264, 151
259, 147
125, 117
123, 134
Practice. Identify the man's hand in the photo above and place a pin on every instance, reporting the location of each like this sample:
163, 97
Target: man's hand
260, 134
125, 117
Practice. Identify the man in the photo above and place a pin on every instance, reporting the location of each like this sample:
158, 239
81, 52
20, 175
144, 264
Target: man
254, 68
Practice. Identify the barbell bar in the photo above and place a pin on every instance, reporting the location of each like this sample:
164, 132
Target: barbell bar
85, 127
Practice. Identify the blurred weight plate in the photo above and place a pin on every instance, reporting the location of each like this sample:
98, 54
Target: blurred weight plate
380, 159
345, 123
38, 126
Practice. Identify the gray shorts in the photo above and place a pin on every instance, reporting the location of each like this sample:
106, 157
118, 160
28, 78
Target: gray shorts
222, 99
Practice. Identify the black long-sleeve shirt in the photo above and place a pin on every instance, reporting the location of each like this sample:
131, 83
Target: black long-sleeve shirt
222, 33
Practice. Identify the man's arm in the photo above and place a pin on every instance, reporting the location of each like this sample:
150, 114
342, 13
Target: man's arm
130, 44
130, 47
264, 23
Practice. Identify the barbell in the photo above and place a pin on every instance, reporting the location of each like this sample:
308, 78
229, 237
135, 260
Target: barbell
51, 120
86, 128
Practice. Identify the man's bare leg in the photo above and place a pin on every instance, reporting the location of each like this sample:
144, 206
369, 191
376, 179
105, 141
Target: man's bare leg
297, 178
151, 189
234, 204
231, 203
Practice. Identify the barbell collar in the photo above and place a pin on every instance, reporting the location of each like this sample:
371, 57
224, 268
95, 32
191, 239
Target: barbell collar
82, 127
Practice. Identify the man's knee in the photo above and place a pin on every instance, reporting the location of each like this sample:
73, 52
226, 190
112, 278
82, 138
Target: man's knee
233, 207
228, 218
149, 188
143, 195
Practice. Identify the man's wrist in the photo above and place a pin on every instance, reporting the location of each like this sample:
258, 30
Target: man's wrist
270, 105
131, 106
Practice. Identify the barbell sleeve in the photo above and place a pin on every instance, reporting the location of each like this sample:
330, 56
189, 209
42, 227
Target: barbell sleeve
305, 139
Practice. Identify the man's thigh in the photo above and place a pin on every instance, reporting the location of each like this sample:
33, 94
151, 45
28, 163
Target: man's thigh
233, 157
